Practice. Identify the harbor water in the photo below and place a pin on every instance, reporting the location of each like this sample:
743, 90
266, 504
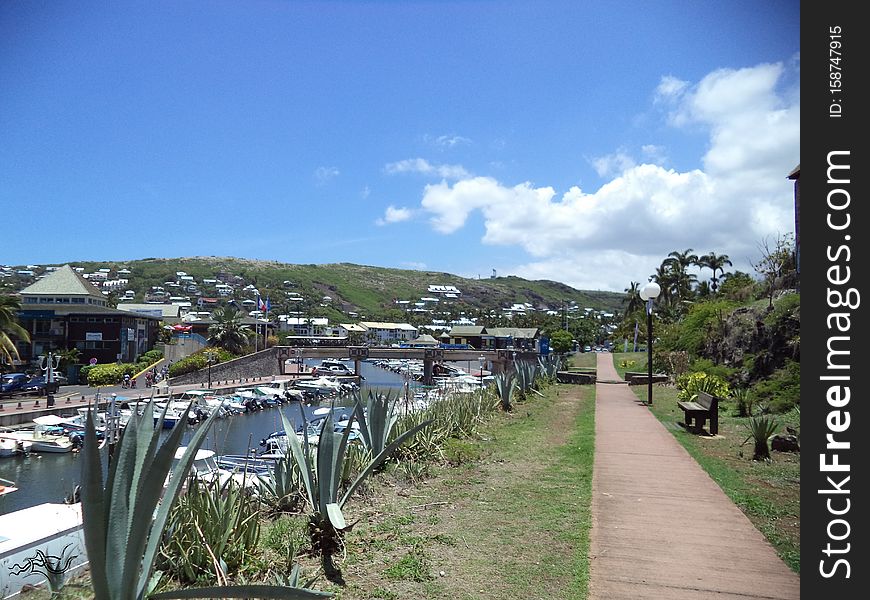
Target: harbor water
52, 477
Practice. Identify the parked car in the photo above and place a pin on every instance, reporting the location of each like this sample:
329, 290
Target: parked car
38, 386
55, 378
13, 382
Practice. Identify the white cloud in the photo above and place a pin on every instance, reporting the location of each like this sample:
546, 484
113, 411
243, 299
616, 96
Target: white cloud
395, 215
669, 89
421, 165
613, 164
365, 193
620, 232
324, 174
656, 154
447, 141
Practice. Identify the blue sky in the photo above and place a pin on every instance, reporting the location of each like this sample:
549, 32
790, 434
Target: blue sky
574, 141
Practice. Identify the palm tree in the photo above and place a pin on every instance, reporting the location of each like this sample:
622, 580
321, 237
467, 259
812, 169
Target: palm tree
228, 332
665, 277
679, 263
10, 328
716, 263
632, 296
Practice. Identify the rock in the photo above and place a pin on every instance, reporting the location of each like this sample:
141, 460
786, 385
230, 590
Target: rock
785, 443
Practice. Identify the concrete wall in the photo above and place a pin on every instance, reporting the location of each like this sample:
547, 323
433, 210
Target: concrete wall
264, 363
175, 352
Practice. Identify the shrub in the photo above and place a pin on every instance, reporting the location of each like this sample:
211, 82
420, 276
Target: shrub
760, 430
198, 360
692, 383
108, 374
672, 363
150, 357
782, 390
707, 366
704, 319
744, 400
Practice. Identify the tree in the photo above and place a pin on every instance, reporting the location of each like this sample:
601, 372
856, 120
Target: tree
10, 329
679, 263
561, 341
737, 286
228, 332
632, 297
716, 263
776, 263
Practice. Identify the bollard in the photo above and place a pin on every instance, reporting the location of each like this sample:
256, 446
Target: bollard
19, 404
1, 406
69, 399
36, 404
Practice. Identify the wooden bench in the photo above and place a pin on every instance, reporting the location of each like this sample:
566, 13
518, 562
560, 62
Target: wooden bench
705, 406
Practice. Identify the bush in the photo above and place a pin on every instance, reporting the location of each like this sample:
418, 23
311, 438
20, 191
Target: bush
108, 374
721, 371
782, 391
671, 363
198, 360
150, 357
692, 383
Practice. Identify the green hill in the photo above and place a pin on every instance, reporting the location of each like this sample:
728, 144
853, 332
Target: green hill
370, 292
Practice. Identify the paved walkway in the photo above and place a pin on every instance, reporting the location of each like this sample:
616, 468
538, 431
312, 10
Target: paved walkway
661, 528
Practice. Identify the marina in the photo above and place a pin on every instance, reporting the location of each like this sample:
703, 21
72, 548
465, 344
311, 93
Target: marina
51, 478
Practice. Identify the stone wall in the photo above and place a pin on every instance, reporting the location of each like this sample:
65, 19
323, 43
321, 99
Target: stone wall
575, 377
260, 364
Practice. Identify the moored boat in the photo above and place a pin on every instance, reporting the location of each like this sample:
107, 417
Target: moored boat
36, 539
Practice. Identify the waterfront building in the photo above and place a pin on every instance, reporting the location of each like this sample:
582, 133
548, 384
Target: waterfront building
63, 310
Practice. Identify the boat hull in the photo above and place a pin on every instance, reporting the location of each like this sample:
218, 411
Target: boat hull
32, 539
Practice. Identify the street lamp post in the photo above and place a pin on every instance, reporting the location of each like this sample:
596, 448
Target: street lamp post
49, 364
649, 293
209, 359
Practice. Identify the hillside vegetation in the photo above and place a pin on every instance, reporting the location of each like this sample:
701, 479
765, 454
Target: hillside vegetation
367, 290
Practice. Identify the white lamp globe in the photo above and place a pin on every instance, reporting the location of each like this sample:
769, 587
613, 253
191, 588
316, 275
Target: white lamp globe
650, 291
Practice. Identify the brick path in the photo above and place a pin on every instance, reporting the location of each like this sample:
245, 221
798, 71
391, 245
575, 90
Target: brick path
661, 528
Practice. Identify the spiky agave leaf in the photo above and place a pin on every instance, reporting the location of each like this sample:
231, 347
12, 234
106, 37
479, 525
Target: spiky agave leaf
376, 420
505, 384
301, 453
377, 460
123, 522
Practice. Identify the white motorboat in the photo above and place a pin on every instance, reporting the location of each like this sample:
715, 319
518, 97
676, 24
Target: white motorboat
12, 446
31, 536
42, 438
206, 469
327, 385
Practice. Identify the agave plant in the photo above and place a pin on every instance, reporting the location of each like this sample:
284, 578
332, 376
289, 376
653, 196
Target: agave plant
211, 530
124, 520
527, 374
761, 427
549, 365
322, 469
744, 400
376, 420
505, 384
283, 489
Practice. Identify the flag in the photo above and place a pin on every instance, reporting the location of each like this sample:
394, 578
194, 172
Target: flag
260, 304
268, 305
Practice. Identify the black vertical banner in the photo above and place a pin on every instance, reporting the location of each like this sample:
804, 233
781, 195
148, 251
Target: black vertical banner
834, 226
